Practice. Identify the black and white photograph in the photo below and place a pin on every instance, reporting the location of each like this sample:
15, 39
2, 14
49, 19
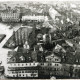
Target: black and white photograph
40, 39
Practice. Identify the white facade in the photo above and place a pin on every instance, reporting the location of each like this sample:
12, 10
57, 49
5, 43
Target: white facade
9, 72
22, 65
10, 17
23, 73
35, 18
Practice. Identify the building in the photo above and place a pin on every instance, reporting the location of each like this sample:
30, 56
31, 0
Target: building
19, 37
17, 67
53, 13
53, 58
34, 18
59, 48
47, 69
10, 16
21, 70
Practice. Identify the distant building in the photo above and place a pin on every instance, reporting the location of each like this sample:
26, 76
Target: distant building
10, 16
53, 13
34, 18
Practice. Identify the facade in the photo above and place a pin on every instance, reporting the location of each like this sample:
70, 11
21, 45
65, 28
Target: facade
34, 18
10, 16
20, 69
53, 58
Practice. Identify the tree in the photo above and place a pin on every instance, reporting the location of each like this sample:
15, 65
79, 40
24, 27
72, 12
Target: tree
34, 55
71, 71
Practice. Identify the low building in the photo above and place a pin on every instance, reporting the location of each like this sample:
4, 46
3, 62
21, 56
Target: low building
34, 18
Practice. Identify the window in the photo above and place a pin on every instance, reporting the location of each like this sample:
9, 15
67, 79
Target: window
56, 59
49, 64
42, 63
22, 64
32, 71
14, 64
19, 71
30, 63
19, 74
12, 72
33, 63
23, 74
22, 71
18, 64
54, 69
14, 75
56, 64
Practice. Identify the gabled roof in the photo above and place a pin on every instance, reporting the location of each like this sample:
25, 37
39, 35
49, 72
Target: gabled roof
59, 47
52, 55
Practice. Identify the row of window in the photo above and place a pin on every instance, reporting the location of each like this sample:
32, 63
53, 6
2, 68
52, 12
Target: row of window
49, 64
31, 20
51, 59
24, 71
8, 20
26, 75
11, 18
20, 64
5, 15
